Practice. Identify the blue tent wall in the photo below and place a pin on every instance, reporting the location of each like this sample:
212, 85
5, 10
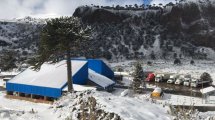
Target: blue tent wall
36, 90
100, 67
95, 65
80, 77
107, 71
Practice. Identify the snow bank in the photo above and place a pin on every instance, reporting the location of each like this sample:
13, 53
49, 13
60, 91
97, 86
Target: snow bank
99, 79
131, 108
80, 88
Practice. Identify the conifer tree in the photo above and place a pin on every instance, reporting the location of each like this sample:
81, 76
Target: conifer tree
8, 59
205, 76
138, 78
61, 37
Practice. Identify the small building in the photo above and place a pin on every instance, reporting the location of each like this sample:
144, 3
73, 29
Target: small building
51, 80
208, 95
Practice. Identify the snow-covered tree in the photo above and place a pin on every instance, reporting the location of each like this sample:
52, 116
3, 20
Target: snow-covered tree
138, 78
205, 76
61, 37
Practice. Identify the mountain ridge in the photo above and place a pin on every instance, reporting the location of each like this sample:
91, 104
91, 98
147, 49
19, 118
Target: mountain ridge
186, 29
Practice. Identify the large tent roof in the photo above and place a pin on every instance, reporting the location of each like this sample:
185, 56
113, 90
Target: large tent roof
50, 75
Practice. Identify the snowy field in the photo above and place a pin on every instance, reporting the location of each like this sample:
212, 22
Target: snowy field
121, 102
126, 107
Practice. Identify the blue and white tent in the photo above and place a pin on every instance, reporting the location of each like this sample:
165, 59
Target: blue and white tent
51, 79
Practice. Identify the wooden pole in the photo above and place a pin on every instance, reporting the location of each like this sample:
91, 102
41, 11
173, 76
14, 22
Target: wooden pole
69, 71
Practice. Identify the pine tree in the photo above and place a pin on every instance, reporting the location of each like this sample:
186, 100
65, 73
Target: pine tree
138, 78
8, 59
152, 55
61, 36
205, 76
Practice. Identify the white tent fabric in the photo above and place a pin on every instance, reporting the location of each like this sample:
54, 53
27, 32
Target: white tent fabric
99, 79
50, 75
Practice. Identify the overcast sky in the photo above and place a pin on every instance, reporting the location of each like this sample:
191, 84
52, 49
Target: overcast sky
10, 9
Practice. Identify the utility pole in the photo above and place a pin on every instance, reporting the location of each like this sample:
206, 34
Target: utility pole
202, 94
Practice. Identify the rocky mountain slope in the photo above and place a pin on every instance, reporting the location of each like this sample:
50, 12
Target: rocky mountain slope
185, 29
18, 40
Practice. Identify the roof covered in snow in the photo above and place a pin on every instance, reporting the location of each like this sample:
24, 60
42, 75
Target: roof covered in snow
50, 75
207, 90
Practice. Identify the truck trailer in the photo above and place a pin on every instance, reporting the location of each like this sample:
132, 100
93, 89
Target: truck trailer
187, 80
181, 79
162, 77
150, 77
198, 82
172, 78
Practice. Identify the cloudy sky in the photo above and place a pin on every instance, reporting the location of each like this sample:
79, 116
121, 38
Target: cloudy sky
10, 9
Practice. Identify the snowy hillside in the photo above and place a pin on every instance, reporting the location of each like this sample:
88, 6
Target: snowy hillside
186, 29
130, 32
20, 38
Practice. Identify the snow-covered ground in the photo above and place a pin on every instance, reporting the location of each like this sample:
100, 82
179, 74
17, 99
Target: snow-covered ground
121, 102
126, 107
22, 110
168, 66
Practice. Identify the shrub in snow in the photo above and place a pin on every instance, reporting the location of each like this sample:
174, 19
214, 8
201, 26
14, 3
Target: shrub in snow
192, 62
120, 69
152, 55
177, 61
89, 111
175, 55
149, 63
180, 113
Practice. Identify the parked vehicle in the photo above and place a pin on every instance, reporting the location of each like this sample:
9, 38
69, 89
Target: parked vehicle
187, 80
146, 73
150, 77
181, 79
157, 93
198, 82
173, 78
160, 77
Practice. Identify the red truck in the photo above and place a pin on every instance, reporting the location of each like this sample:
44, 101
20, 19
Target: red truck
150, 77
